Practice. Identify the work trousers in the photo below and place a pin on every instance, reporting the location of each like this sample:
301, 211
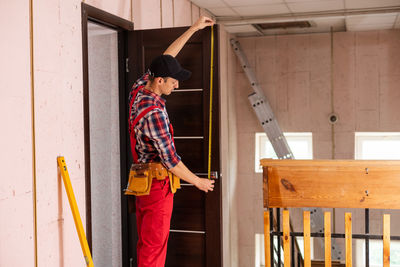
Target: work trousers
153, 217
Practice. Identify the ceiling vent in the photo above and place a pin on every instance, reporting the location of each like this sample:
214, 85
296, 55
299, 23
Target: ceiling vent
283, 25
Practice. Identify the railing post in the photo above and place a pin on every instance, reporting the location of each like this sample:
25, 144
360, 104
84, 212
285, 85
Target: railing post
348, 237
307, 235
328, 256
267, 243
386, 240
286, 238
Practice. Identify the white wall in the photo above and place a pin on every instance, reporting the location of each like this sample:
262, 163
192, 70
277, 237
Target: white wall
153, 14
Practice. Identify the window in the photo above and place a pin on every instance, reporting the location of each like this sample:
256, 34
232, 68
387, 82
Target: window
376, 253
299, 143
379, 146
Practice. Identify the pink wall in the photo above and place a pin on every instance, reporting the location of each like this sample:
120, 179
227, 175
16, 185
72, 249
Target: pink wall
153, 14
58, 116
16, 205
120, 8
59, 128
295, 74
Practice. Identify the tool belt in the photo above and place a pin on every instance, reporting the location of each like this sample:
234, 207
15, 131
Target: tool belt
141, 177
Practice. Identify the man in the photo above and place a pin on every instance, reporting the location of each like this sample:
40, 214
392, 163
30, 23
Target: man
152, 141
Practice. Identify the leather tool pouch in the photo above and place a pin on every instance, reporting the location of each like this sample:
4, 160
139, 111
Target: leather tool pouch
174, 181
140, 179
141, 175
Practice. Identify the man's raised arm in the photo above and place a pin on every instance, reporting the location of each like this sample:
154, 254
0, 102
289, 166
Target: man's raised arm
177, 45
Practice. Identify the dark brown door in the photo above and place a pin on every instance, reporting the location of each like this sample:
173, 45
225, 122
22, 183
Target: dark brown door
195, 236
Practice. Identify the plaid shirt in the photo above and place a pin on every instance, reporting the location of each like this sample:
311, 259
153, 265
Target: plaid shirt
154, 140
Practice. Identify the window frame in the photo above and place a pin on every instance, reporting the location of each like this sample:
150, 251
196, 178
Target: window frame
359, 137
290, 136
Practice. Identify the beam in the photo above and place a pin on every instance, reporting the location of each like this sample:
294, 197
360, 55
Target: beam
333, 184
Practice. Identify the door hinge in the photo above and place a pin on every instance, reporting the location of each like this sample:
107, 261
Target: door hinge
127, 64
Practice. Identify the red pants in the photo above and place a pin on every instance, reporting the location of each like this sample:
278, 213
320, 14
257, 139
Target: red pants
153, 217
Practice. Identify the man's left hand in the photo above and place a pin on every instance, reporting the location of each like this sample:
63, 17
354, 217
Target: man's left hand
203, 22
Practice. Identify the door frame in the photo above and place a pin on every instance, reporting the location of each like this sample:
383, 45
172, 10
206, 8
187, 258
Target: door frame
214, 243
103, 18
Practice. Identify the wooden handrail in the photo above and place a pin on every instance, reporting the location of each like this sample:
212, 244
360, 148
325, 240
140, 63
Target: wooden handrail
327, 163
331, 183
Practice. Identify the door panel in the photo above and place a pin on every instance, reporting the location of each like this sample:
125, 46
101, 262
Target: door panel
189, 209
188, 250
196, 220
192, 153
179, 103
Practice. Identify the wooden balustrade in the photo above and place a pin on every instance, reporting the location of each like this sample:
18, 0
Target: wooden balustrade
328, 184
327, 237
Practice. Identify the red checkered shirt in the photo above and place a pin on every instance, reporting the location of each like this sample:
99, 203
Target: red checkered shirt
154, 137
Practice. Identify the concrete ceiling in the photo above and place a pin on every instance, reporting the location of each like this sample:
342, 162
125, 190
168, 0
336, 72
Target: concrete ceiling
241, 16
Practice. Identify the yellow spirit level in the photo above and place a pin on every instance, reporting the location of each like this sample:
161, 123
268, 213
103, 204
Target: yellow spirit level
75, 211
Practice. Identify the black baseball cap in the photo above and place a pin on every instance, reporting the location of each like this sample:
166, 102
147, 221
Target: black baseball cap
168, 66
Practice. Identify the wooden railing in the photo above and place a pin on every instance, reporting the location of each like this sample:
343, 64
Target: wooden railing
328, 184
